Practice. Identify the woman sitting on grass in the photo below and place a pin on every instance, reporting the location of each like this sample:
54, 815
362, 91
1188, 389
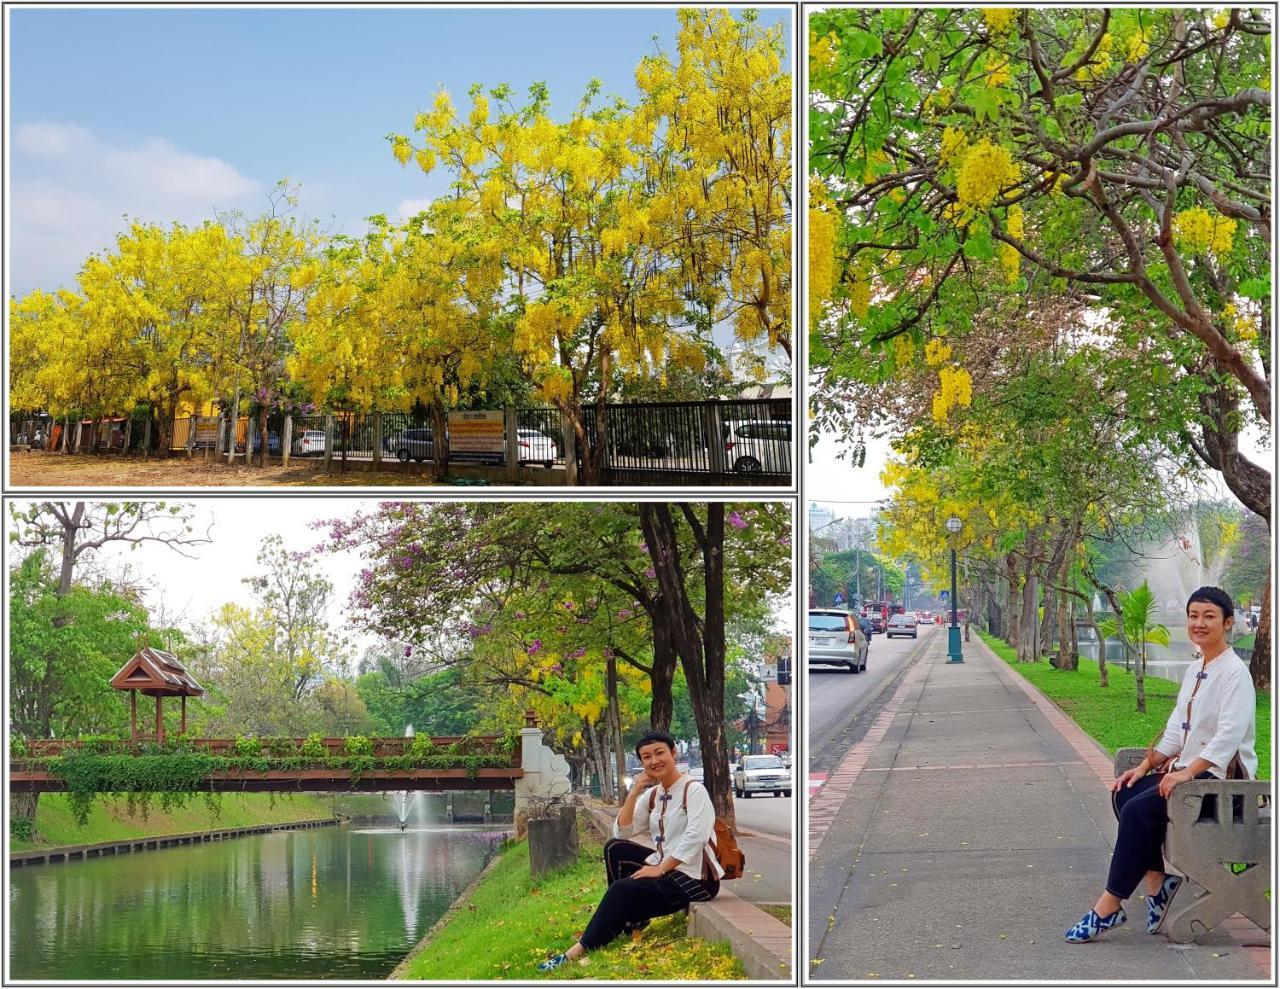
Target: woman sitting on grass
649, 882
1209, 735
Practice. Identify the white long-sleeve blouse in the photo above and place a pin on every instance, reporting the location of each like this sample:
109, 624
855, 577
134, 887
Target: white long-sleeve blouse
684, 835
1222, 717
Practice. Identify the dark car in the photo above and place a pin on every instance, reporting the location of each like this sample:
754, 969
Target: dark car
273, 443
414, 443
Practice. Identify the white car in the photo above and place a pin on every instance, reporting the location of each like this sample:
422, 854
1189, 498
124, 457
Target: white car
534, 447
758, 446
836, 639
308, 442
761, 774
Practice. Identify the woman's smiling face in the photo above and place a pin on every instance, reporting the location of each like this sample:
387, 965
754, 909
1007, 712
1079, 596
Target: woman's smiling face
658, 760
1206, 625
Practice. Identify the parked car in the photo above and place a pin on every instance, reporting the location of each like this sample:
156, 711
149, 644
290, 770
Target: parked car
273, 443
758, 445
901, 625
836, 639
414, 443
761, 773
535, 447
309, 442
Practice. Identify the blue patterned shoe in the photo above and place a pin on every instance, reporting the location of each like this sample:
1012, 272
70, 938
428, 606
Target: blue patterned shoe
1158, 903
1091, 926
551, 964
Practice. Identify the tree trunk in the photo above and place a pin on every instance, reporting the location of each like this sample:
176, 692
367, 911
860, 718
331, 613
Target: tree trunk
439, 440
662, 674
600, 764
1067, 658
233, 427
1260, 661
24, 805
615, 721
699, 643
146, 436
1140, 678
1028, 621
264, 446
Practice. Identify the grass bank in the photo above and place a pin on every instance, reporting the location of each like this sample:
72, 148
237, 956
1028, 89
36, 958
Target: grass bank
510, 922
1108, 714
109, 820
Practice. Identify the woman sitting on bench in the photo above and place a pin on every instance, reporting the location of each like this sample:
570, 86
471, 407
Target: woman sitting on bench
1209, 736
649, 882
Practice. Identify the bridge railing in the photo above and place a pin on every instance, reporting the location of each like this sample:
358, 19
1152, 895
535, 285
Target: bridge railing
383, 747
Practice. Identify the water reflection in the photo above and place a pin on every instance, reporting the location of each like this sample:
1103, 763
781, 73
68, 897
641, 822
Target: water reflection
324, 903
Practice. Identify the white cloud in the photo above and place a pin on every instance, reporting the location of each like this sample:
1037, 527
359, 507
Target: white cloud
51, 140
411, 207
70, 192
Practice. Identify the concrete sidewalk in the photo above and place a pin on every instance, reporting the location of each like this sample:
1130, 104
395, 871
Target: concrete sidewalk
966, 831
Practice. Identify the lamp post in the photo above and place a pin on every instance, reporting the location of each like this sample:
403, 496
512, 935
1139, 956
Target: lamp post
954, 525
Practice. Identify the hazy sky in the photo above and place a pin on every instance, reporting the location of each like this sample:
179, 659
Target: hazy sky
169, 114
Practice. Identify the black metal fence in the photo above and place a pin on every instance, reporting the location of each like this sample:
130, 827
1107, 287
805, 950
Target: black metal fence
740, 437
738, 440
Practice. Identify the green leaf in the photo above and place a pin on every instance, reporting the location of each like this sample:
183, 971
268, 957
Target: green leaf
1255, 288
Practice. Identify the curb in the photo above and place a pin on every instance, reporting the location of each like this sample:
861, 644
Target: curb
1240, 929
759, 940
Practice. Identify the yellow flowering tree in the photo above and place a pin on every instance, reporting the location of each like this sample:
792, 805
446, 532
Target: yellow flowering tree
1116, 155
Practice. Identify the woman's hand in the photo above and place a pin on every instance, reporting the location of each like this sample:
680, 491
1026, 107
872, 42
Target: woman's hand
1170, 780
1127, 778
648, 872
642, 782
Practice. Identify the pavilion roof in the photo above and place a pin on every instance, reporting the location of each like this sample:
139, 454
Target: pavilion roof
157, 673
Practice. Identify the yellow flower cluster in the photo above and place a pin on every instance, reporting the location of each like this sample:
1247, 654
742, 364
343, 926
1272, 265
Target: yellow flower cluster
1138, 45
1100, 62
987, 168
999, 19
1221, 19
1241, 327
998, 72
822, 261
822, 52
904, 349
955, 390
1010, 259
860, 297
937, 352
953, 148
1198, 230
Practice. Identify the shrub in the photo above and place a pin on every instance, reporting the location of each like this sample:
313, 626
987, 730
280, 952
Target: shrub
314, 747
248, 745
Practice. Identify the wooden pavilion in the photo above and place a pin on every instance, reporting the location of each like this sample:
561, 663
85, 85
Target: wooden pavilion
160, 675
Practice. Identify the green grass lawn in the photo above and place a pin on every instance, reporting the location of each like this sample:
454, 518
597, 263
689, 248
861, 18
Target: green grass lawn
510, 922
780, 910
1110, 715
109, 819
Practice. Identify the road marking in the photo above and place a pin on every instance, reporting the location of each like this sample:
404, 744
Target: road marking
815, 782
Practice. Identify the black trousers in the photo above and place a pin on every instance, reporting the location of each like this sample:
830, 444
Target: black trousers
1143, 815
628, 902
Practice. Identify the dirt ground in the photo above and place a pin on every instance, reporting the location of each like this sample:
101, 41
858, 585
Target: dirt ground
38, 468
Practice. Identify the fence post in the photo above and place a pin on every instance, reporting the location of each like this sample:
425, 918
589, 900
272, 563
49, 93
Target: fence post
328, 441
377, 440
713, 433
128, 435
510, 420
79, 430
146, 436
570, 450
191, 436
286, 439
233, 429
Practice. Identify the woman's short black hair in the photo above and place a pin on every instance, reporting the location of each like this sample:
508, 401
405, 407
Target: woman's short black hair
649, 737
1213, 595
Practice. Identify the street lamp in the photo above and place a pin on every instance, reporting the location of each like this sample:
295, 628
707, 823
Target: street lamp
954, 525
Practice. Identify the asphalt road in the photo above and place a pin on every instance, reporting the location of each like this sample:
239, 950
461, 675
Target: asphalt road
767, 814
836, 699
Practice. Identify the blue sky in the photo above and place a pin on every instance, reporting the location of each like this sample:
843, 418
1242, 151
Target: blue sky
166, 114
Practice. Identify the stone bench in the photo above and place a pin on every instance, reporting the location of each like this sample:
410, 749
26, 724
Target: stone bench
1214, 824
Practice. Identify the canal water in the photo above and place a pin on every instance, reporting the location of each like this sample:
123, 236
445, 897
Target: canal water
324, 903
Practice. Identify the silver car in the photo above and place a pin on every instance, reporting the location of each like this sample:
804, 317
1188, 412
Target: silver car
901, 625
761, 774
836, 639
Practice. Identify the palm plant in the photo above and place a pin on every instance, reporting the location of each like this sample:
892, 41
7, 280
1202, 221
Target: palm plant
1136, 625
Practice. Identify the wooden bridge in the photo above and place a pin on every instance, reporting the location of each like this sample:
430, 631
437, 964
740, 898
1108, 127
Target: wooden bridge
26, 775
